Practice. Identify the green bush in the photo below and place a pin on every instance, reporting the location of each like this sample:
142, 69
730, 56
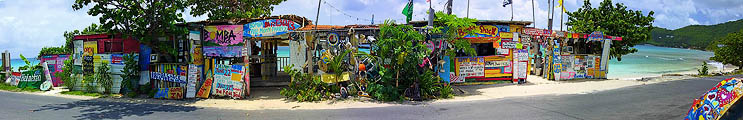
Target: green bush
305, 87
88, 81
103, 78
704, 70
130, 73
65, 75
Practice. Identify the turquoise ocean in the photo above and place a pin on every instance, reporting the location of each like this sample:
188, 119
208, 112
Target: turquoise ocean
654, 61
648, 61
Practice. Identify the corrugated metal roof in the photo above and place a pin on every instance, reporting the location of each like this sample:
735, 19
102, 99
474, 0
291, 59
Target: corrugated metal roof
236, 21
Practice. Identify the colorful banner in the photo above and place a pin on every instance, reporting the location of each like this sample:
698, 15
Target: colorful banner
717, 101
30, 79
228, 80
223, 40
230, 51
270, 27
169, 73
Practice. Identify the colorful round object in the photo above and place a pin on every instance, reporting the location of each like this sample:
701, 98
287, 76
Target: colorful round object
333, 39
362, 67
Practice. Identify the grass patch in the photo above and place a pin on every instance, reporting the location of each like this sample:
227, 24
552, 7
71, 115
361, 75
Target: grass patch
7, 87
81, 93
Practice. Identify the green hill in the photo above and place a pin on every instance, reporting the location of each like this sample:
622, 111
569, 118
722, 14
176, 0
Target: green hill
693, 36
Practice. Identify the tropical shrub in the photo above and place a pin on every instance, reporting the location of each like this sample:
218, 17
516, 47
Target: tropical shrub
305, 87
103, 77
65, 75
130, 73
704, 70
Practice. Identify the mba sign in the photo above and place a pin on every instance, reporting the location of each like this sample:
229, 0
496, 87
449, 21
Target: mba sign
270, 27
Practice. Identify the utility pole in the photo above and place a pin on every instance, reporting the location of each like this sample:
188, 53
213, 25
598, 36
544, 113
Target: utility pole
311, 57
468, 8
511, 10
550, 11
430, 14
448, 7
533, 14
372, 20
561, 13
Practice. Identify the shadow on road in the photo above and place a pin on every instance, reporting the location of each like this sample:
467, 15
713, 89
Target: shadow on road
98, 109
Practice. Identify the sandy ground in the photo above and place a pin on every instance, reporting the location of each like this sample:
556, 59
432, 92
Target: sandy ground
269, 98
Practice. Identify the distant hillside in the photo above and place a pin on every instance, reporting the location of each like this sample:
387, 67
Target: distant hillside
693, 36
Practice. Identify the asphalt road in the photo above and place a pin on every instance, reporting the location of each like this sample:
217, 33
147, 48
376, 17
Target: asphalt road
667, 100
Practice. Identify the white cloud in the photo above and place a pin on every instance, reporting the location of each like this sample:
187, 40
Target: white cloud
28, 25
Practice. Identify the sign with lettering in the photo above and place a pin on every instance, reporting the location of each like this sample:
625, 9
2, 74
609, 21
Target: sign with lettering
162, 93
205, 89
194, 73
228, 80
471, 67
596, 36
31, 78
223, 40
270, 27
175, 93
508, 44
479, 31
169, 73
90, 48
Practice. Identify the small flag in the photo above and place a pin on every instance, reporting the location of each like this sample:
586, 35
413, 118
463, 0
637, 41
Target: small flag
561, 6
507, 2
408, 11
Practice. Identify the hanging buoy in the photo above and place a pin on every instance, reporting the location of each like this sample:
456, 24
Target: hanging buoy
362, 67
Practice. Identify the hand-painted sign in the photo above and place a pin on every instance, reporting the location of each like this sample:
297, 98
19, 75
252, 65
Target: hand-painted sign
90, 48
161, 93
167, 77
479, 31
228, 80
193, 78
169, 93
175, 93
205, 89
596, 36
508, 45
169, 73
270, 27
498, 66
223, 40
717, 101
471, 67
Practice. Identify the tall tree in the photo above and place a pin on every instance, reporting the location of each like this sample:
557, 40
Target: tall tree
616, 20
730, 49
227, 9
144, 20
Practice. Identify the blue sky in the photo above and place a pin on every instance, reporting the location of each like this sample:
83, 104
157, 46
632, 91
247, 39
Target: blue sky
28, 25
